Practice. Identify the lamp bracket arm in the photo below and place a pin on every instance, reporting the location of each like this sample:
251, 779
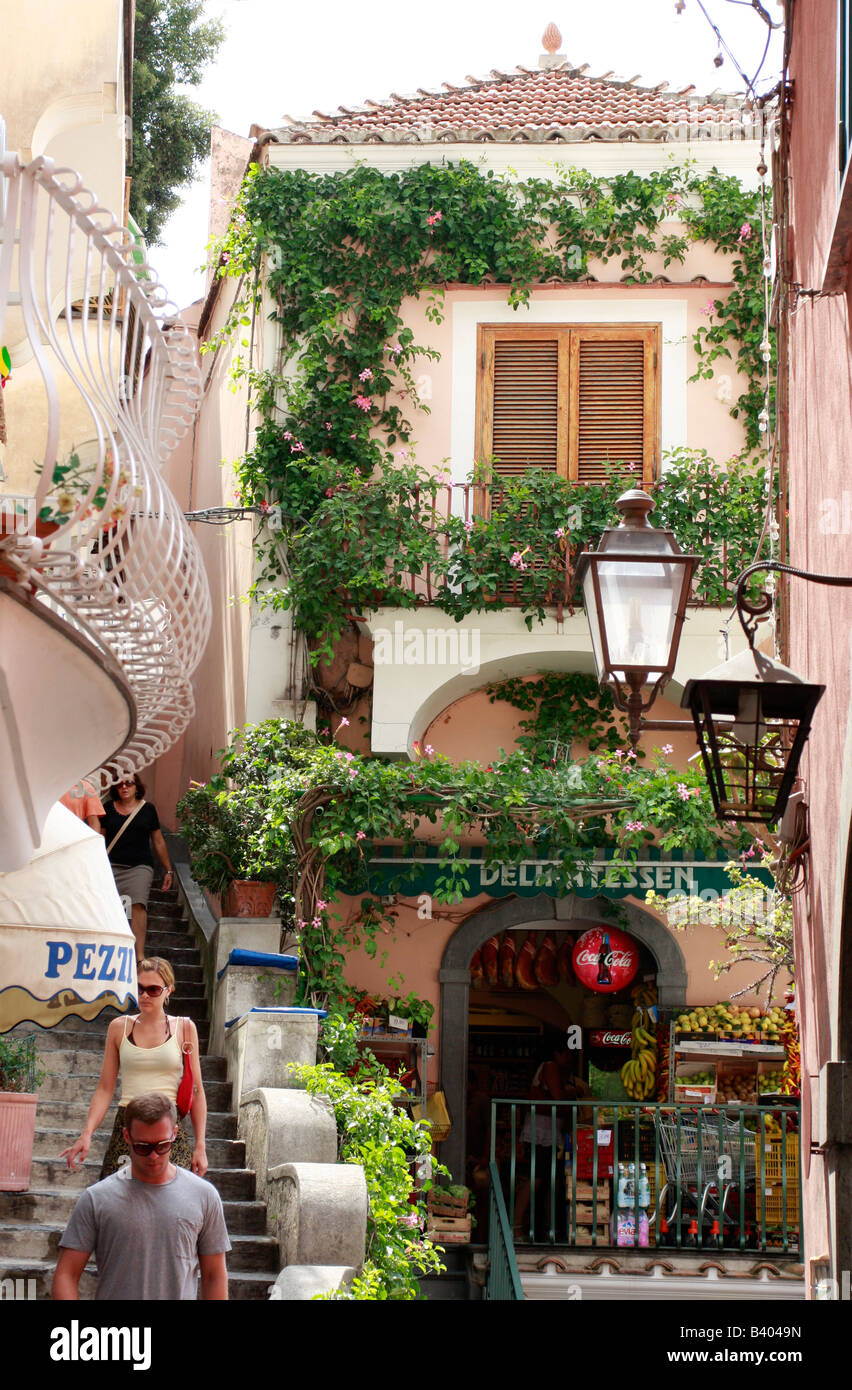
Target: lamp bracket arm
750, 611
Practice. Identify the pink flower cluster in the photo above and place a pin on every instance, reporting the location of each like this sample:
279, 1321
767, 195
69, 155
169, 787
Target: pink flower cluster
433, 218
517, 559
635, 825
685, 792
366, 375
745, 232
363, 403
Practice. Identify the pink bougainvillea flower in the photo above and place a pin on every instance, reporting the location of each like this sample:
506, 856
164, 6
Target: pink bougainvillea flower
394, 349
344, 722
328, 425
746, 231
287, 435
709, 307
366, 375
429, 749
517, 558
683, 791
297, 448
360, 835
364, 402
433, 218
321, 904
618, 753
468, 526
667, 748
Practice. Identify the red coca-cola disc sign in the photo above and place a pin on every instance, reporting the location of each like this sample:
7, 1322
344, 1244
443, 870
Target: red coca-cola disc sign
605, 959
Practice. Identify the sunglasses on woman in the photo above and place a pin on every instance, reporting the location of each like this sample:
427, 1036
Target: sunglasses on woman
154, 990
143, 1150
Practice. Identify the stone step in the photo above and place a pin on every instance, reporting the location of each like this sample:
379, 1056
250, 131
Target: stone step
163, 943
75, 1054
28, 1240
244, 1218
61, 1114
253, 1254
242, 1286
160, 904
80, 1087
53, 1172
50, 1143
237, 1184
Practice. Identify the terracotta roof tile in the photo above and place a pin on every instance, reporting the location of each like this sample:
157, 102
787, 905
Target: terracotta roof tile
562, 101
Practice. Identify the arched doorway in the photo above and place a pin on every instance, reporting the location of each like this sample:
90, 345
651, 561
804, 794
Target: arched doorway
545, 913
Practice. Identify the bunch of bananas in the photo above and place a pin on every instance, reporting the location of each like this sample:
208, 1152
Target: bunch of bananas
639, 1075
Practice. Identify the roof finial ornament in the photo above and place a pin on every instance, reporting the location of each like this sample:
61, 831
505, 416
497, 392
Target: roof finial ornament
551, 40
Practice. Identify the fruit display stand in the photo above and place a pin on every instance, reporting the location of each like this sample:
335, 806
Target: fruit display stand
735, 1069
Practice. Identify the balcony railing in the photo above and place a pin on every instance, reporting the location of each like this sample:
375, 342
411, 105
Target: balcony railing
722, 1178
462, 533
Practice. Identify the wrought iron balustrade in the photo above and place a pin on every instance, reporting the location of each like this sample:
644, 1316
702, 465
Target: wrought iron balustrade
722, 1178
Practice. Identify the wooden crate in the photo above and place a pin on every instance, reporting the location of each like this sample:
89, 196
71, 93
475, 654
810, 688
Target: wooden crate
449, 1223
584, 1236
585, 1191
586, 1215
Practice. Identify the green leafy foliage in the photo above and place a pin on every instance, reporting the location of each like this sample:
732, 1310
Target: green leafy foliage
755, 922
378, 1133
171, 133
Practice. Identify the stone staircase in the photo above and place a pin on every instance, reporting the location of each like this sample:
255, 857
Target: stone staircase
32, 1222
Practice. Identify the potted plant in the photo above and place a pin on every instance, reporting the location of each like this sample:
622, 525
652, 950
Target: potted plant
19, 1079
237, 849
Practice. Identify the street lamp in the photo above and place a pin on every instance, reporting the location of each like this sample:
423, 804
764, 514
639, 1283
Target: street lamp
635, 588
752, 717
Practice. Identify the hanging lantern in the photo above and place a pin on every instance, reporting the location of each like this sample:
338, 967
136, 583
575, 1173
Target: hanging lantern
752, 717
635, 589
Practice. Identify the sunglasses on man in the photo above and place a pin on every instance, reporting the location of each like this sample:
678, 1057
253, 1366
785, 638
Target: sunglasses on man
143, 1149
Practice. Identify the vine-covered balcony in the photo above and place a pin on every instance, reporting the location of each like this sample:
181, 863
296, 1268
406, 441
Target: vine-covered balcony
409, 538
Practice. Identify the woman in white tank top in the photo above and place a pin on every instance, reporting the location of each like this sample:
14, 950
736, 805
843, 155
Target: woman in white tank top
147, 1052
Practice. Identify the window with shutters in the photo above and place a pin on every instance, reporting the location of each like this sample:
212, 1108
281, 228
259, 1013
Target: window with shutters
569, 399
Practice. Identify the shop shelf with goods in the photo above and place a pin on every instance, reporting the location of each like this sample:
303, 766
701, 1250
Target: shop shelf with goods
412, 1054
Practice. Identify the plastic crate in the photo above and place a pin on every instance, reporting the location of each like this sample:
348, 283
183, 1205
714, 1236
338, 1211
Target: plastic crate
586, 1155
773, 1182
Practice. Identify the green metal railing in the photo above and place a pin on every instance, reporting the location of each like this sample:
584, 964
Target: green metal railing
503, 1279
720, 1177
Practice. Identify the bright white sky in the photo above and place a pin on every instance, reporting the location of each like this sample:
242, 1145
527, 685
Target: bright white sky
283, 57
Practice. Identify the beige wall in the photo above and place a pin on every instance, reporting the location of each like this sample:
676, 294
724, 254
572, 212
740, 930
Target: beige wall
62, 88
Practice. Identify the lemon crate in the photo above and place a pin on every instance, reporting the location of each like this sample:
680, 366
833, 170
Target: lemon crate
773, 1181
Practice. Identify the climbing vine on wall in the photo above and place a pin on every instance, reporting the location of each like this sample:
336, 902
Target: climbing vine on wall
342, 251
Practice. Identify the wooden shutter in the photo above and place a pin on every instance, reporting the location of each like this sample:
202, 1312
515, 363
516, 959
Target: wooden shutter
613, 412
568, 399
523, 401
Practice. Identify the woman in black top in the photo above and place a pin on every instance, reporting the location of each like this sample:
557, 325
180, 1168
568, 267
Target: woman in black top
131, 827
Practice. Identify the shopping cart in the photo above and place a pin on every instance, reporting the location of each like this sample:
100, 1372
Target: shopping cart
707, 1157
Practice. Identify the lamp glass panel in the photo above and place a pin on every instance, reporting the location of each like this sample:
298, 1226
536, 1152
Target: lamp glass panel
640, 603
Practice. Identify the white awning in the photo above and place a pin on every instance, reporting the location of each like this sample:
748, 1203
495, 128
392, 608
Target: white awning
65, 943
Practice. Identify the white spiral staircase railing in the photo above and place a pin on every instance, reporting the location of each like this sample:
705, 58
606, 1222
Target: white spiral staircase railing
106, 380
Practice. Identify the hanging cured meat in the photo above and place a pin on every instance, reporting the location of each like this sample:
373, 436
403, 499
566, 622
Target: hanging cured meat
524, 971
546, 969
507, 960
489, 960
476, 972
564, 963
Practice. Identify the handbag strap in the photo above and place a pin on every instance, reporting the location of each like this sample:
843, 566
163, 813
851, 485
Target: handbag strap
117, 836
185, 1047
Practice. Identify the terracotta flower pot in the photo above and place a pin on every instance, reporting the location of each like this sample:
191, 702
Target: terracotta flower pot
17, 1133
249, 898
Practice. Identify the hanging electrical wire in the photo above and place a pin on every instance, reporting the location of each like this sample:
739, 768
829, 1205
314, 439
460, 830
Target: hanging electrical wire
725, 48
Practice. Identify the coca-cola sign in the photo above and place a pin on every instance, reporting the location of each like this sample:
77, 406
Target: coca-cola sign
605, 959
599, 1037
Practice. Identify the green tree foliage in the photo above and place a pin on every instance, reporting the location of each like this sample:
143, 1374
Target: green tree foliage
171, 133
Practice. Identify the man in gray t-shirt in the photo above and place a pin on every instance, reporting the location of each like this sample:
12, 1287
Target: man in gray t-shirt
153, 1226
